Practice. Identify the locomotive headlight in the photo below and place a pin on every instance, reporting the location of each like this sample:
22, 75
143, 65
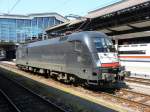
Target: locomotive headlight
98, 63
104, 76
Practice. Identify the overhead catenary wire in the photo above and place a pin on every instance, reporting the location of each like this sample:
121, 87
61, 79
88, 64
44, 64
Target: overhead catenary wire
13, 7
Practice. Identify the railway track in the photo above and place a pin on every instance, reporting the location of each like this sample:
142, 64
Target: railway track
129, 98
140, 98
124, 97
6, 105
138, 80
138, 101
24, 99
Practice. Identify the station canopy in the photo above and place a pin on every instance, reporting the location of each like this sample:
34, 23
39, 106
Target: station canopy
122, 18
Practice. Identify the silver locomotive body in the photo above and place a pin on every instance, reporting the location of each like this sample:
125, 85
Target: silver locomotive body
86, 56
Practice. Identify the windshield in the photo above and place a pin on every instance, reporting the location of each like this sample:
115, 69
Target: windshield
104, 44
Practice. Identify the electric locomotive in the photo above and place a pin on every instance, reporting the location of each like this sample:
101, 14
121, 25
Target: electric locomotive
86, 57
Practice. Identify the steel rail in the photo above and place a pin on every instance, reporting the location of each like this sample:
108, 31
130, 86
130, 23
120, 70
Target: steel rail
9, 100
138, 80
37, 95
142, 94
126, 100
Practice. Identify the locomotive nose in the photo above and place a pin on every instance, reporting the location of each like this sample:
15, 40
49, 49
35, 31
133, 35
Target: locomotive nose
108, 60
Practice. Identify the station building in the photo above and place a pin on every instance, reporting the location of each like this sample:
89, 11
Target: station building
18, 28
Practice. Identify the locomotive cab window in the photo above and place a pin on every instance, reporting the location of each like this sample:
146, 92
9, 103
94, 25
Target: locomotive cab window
104, 44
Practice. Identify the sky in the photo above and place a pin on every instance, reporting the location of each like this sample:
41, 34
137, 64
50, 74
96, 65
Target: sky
63, 7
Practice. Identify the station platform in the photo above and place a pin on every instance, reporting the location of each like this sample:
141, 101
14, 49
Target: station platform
144, 76
138, 69
8, 62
